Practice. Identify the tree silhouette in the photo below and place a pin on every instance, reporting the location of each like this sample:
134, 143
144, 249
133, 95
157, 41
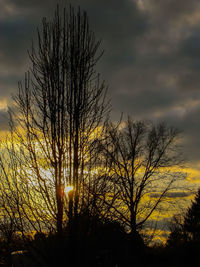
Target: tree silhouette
59, 108
185, 228
183, 242
139, 157
177, 236
192, 219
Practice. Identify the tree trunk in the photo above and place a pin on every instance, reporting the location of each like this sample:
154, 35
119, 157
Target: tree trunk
59, 195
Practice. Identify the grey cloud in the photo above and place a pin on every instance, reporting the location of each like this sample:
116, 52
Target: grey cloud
190, 46
161, 224
189, 52
189, 80
146, 101
14, 40
175, 194
18, 28
191, 126
3, 120
165, 72
29, 7
151, 59
170, 10
8, 85
188, 123
117, 23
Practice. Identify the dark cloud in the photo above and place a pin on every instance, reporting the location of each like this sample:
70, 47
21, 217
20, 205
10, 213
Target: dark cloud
118, 24
8, 85
191, 129
170, 11
3, 120
151, 59
173, 195
189, 52
14, 40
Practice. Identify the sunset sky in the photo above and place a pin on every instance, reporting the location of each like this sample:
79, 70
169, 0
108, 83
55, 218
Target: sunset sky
151, 61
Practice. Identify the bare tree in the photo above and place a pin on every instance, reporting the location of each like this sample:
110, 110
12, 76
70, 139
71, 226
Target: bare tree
143, 162
20, 201
59, 108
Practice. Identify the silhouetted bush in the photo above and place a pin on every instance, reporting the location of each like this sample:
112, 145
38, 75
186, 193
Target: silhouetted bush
88, 241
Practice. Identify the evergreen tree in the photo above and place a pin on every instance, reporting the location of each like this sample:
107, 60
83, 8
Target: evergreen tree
192, 219
186, 228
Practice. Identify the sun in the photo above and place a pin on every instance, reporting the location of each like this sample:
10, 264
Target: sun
69, 189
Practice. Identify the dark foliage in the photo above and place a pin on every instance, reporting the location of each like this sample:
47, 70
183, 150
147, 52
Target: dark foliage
88, 241
186, 228
192, 219
183, 243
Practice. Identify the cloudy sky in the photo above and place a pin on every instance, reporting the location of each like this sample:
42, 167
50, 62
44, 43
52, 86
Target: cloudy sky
151, 61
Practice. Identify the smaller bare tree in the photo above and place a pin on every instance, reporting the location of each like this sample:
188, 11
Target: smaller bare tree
143, 162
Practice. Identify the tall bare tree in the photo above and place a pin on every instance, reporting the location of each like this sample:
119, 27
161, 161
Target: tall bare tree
59, 108
143, 162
